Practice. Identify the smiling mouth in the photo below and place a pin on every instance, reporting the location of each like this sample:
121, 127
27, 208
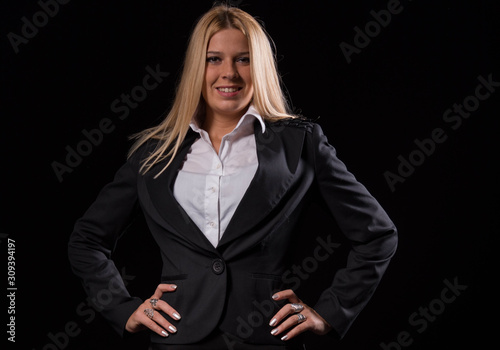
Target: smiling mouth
229, 89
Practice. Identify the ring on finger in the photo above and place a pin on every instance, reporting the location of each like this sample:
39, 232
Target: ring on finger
153, 302
297, 307
301, 318
149, 312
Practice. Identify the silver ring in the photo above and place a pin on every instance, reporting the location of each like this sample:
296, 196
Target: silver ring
301, 319
149, 312
297, 307
153, 302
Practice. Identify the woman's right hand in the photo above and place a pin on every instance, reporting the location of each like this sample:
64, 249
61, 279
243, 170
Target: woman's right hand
140, 320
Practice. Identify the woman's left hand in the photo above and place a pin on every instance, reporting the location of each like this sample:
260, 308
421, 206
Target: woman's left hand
289, 323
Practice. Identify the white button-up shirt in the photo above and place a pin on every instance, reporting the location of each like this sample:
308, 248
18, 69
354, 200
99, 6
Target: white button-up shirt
209, 186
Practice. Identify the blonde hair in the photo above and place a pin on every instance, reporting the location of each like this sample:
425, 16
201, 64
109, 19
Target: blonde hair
268, 99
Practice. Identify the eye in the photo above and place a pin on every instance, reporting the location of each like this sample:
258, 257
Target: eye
213, 59
244, 59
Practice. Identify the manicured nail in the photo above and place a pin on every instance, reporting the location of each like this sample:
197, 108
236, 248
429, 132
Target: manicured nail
273, 322
172, 328
284, 337
173, 286
275, 296
274, 331
165, 334
176, 316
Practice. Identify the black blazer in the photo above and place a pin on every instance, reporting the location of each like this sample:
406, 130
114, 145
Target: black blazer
230, 287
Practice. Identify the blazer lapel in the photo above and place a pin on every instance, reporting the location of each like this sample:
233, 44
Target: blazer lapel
278, 153
160, 191
278, 158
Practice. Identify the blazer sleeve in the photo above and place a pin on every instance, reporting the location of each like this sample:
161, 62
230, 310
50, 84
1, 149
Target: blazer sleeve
365, 224
91, 244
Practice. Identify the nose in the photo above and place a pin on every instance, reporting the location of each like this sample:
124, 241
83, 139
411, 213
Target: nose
230, 71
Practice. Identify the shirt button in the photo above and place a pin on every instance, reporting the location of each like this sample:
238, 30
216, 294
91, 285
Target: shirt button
211, 224
218, 266
218, 166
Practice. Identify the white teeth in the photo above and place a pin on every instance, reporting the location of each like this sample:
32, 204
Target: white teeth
227, 89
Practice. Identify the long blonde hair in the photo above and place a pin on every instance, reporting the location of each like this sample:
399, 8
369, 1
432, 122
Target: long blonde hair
269, 99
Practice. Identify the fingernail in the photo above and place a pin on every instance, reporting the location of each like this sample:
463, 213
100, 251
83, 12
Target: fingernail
273, 322
173, 286
274, 331
284, 337
172, 328
275, 296
165, 334
176, 316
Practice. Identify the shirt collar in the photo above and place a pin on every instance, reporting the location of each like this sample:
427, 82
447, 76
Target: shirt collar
245, 122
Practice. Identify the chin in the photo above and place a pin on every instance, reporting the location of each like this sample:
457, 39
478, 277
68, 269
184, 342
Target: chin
231, 107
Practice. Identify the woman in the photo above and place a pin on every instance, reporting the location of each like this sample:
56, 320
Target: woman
222, 183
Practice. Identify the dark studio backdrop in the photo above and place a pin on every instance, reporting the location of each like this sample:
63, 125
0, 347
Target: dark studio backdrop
407, 91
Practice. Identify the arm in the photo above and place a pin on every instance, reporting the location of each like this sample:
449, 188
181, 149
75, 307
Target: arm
92, 241
365, 224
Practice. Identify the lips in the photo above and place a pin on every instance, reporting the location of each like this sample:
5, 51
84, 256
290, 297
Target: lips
229, 91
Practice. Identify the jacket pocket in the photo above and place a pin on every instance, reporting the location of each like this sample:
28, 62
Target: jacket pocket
266, 276
265, 285
173, 278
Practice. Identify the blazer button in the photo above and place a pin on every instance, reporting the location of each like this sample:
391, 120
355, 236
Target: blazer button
218, 266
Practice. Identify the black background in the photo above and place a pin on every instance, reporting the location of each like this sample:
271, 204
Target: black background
395, 90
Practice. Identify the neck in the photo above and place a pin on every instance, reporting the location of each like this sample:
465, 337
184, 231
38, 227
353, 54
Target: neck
217, 126
220, 124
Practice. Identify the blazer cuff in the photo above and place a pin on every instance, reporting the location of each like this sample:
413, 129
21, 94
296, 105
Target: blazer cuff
339, 318
119, 315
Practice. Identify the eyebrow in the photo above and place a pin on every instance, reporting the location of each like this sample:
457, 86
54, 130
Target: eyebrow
219, 53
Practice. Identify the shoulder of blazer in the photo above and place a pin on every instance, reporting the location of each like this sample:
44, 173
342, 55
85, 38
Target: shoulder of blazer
288, 137
297, 122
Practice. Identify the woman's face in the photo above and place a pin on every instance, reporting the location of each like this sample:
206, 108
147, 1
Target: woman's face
227, 87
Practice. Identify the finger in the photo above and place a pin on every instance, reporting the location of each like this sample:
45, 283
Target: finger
160, 320
160, 304
153, 320
295, 322
286, 294
163, 288
285, 311
282, 314
169, 310
295, 331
